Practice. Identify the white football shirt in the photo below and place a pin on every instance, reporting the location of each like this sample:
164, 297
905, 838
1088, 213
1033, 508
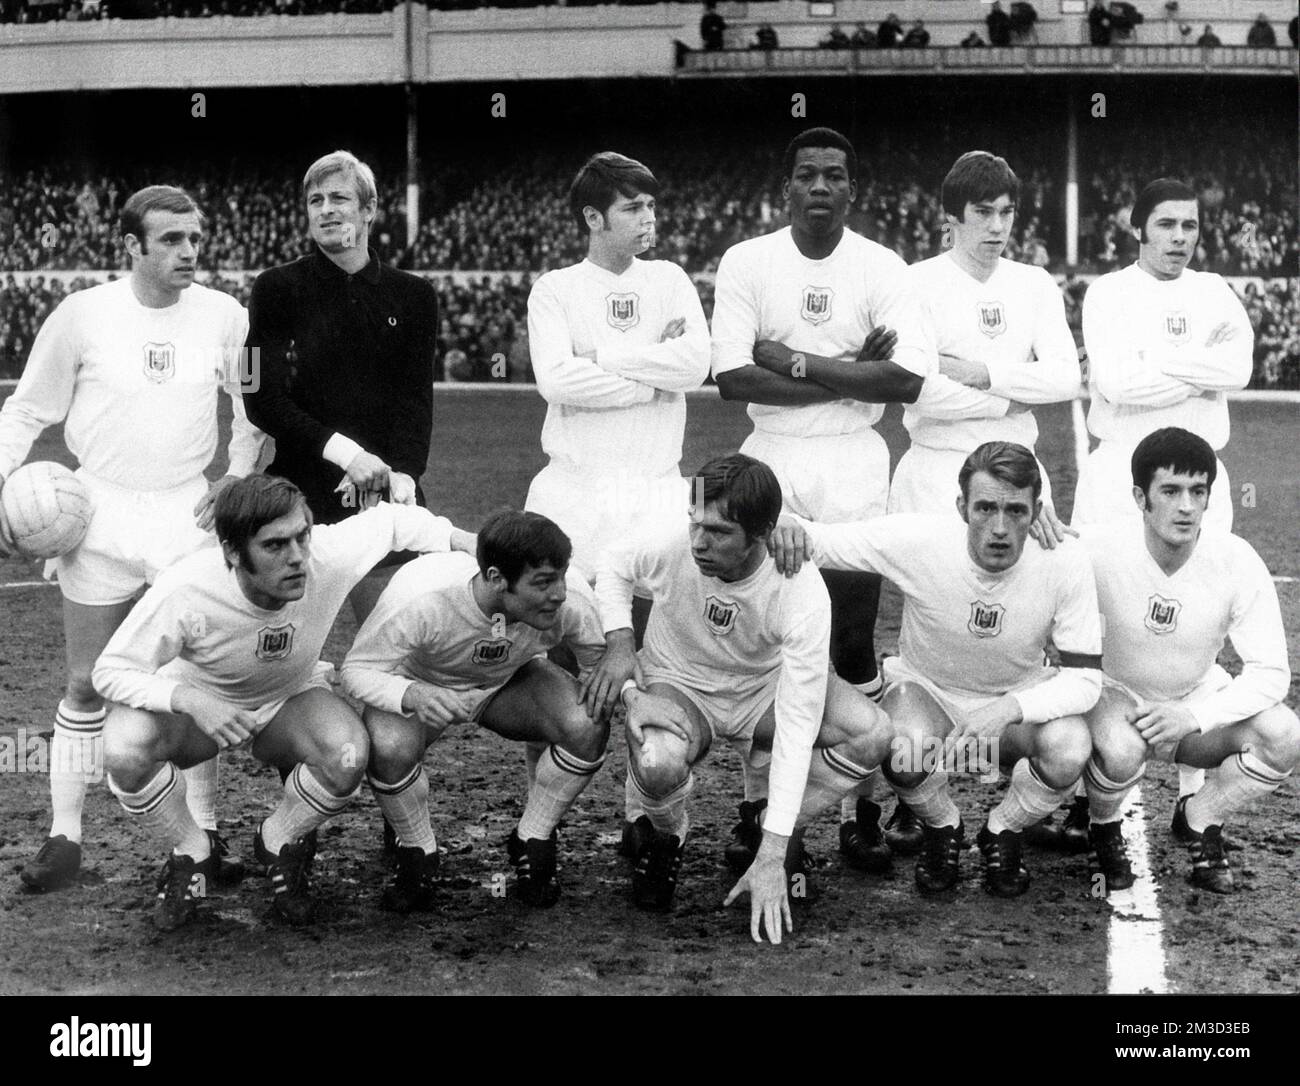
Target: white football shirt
767, 289
615, 392
1148, 366
427, 626
1162, 632
971, 632
730, 637
197, 615
1015, 324
136, 385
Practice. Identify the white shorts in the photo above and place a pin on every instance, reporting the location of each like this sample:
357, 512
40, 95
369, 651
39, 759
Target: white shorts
1104, 492
729, 717
894, 670
831, 478
320, 679
133, 536
925, 481
596, 512
1215, 680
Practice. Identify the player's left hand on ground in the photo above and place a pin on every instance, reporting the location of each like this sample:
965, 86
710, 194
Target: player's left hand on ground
1165, 725
773, 356
401, 488
879, 345
673, 329
789, 546
206, 510
985, 724
769, 899
1048, 530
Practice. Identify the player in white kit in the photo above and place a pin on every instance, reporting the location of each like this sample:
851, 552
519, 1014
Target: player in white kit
615, 343
1171, 590
1165, 345
454, 641
979, 611
733, 650
133, 367
223, 650
813, 327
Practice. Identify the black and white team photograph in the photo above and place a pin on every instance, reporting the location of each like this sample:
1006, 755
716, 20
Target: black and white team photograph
639, 499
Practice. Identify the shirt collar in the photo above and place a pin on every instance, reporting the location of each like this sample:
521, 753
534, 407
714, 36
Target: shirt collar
325, 268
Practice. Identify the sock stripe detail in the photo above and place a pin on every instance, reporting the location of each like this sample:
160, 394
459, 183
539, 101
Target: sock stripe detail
842, 765
1102, 783
1259, 772
159, 797
385, 789
81, 726
317, 799
571, 764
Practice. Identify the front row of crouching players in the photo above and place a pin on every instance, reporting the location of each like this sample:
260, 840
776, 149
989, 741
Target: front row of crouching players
979, 611
224, 649
456, 641
733, 651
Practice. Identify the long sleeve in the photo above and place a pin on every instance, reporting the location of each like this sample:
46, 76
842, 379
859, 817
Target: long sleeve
1259, 639
799, 706
1225, 367
152, 635
844, 546
735, 316
1120, 372
943, 398
894, 306
583, 631
364, 539
389, 635
675, 365
270, 335
563, 378
1054, 374
246, 440
616, 579
44, 392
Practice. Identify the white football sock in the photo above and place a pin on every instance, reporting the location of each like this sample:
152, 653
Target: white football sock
306, 804
406, 806
1190, 780
830, 776
1029, 799
873, 688
930, 800
868, 787
631, 799
561, 777
76, 760
1240, 779
1105, 796
160, 807
201, 782
668, 813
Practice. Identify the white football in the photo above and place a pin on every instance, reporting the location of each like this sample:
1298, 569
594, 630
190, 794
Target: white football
47, 509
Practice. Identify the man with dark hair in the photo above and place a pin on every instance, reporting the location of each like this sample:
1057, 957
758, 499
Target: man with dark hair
1098, 23
712, 26
1171, 595
1261, 34
134, 368
813, 327
452, 642
969, 682
889, 33
733, 650
207, 661
999, 24
345, 346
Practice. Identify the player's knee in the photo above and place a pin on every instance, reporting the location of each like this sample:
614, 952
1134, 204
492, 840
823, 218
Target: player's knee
133, 744
395, 747
582, 736
338, 754
1119, 750
1063, 747
869, 742
1275, 736
660, 764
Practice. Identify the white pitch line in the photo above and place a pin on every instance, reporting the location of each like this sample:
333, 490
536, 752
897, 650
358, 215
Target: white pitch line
29, 584
1135, 960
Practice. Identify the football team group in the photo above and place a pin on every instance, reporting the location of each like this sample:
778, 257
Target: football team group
735, 604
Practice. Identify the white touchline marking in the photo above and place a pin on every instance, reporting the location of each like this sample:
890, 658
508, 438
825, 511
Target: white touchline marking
29, 584
1135, 960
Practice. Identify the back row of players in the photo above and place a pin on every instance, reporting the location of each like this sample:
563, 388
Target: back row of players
815, 327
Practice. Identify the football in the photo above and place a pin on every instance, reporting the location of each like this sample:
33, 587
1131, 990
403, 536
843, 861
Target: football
47, 509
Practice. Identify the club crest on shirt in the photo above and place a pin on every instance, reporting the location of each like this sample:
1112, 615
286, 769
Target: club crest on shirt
1177, 329
993, 318
623, 311
720, 614
985, 618
274, 642
488, 652
1162, 614
817, 304
159, 362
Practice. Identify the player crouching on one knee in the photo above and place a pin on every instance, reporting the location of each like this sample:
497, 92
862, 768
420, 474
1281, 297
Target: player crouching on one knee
224, 650
456, 641
736, 651
979, 609
1171, 591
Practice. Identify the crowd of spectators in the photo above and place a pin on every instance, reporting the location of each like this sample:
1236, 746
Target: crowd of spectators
40, 11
